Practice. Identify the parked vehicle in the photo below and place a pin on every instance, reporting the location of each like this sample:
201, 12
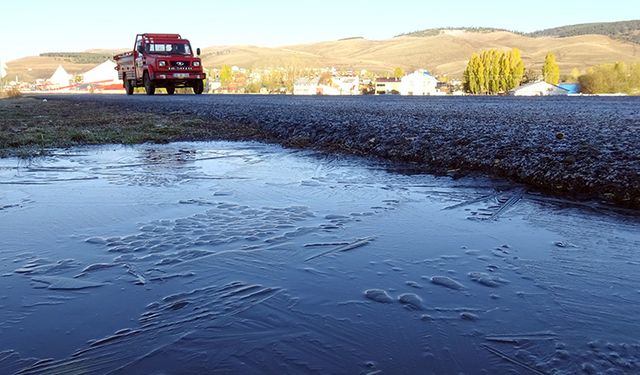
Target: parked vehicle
160, 60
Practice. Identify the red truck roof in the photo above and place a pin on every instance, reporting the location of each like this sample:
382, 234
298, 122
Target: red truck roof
161, 36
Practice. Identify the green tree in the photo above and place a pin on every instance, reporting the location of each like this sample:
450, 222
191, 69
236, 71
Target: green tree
398, 72
550, 69
611, 78
474, 76
493, 72
505, 73
517, 69
574, 75
226, 75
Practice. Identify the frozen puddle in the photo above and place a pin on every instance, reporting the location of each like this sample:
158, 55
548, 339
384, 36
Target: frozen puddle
247, 258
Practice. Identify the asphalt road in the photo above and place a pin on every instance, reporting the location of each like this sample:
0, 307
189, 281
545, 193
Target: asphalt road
585, 147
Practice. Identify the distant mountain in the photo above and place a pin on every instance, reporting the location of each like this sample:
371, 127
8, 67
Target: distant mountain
441, 51
42, 66
79, 57
623, 30
438, 31
446, 52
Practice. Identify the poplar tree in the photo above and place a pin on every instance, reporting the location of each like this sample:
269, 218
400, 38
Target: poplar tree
493, 72
226, 75
517, 68
398, 72
505, 76
550, 69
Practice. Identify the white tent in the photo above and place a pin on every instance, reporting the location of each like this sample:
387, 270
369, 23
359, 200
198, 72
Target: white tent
60, 77
104, 72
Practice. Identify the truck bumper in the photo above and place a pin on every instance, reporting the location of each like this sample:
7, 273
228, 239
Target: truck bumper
181, 76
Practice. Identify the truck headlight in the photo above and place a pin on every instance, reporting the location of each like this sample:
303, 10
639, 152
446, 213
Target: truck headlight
196, 63
162, 63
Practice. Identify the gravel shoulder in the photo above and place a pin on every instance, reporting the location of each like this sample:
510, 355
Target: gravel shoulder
586, 148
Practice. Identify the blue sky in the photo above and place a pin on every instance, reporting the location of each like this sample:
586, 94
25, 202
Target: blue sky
29, 27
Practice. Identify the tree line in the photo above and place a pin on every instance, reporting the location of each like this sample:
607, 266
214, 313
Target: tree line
493, 72
611, 78
78, 57
625, 30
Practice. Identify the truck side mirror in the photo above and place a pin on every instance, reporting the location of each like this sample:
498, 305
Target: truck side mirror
198, 51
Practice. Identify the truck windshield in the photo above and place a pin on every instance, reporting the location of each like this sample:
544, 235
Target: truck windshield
162, 48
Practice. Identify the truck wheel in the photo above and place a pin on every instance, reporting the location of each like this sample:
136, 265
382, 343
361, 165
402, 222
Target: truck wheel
128, 86
170, 90
149, 86
198, 87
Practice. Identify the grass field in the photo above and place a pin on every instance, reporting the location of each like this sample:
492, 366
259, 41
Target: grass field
31, 127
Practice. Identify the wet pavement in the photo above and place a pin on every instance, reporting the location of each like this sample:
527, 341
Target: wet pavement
249, 258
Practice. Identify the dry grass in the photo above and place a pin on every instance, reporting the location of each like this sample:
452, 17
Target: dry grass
10, 93
31, 127
445, 53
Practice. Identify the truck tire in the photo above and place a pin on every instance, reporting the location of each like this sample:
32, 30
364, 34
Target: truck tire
170, 90
149, 86
198, 87
128, 86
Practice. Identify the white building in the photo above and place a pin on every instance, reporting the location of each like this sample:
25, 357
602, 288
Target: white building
306, 86
419, 82
346, 85
540, 88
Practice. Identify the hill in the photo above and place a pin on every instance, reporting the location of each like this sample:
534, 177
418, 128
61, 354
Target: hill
434, 32
623, 30
446, 52
33, 67
442, 51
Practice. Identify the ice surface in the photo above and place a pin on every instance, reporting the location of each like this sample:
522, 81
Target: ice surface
248, 258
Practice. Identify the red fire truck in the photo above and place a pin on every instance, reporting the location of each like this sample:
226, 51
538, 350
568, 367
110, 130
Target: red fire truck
160, 60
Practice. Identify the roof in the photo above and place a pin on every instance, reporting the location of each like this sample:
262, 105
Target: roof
161, 36
306, 81
573, 88
387, 79
538, 83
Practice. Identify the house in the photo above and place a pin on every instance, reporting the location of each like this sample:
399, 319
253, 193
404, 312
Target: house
387, 85
419, 82
306, 86
540, 88
347, 85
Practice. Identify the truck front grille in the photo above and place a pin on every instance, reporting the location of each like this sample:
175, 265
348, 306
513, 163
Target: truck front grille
179, 65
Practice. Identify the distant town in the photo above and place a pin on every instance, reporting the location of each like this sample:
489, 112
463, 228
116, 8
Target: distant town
103, 78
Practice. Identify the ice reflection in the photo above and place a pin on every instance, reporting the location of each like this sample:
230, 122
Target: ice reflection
247, 258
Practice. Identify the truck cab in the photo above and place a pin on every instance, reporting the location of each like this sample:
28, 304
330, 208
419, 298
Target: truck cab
161, 60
